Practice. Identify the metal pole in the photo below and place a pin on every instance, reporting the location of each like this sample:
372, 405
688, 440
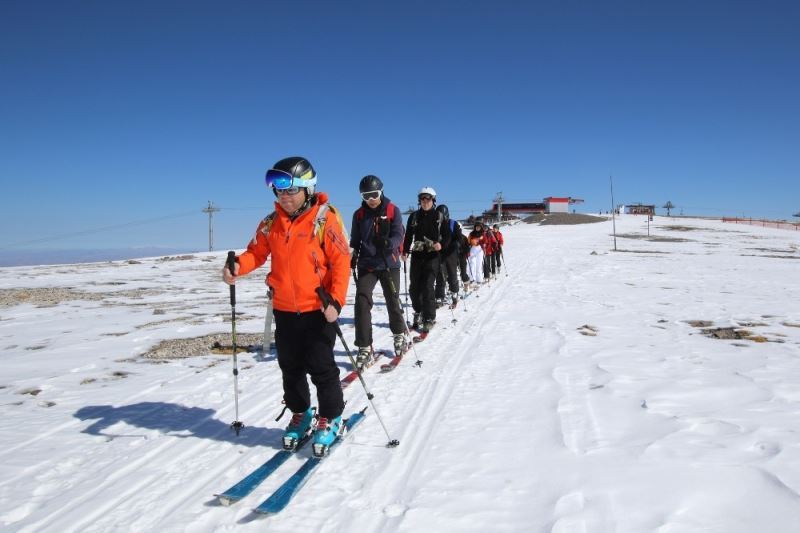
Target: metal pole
211, 210
613, 217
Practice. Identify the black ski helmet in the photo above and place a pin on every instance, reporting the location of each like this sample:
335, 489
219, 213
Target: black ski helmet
444, 211
300, 168
370, 183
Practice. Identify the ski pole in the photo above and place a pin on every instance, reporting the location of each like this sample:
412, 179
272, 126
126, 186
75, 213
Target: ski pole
353, 269
405, 286
397, 295
236, 426
267, 344
326, 301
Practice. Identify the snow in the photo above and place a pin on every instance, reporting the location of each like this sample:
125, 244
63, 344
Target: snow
572, 395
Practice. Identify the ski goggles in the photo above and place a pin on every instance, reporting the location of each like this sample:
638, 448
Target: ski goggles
423, 197
371, 195
281, 180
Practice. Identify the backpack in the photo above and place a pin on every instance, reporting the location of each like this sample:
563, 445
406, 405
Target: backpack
319, 222
389, 212
412, 220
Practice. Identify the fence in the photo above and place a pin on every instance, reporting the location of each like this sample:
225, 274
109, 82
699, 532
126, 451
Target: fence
779, 224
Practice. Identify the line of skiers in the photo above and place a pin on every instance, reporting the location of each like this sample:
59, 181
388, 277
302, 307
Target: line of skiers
312, 262
438, 249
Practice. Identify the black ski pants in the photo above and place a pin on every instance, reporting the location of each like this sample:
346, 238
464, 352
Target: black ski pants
462, 265
304, 342
448, 271
363, 308
424, 268
488, 266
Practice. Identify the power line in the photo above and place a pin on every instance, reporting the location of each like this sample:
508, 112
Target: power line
96, 230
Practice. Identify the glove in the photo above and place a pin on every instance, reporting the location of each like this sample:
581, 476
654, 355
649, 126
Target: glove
353, 261
429, 245
381, 243
418, 246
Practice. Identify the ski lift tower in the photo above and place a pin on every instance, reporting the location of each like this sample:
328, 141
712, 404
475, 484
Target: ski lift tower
499, 201
210, 210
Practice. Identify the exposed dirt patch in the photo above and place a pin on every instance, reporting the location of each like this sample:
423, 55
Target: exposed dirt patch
651, 238
37, 347
699, 323
33, 391
589, 331
731, 333
641, 251
563, 219
52, 296
676, 227
183, 348
773, 256
774, 250
44, 296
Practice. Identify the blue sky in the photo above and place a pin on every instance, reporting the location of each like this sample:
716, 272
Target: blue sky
121, 120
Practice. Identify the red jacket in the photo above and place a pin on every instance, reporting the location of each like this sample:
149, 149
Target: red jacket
300, 263
489, 243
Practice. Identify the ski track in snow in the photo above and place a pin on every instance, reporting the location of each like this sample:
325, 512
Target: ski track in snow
570, 396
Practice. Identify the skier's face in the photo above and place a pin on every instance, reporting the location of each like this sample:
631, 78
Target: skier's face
426, 202
291, 202
371, 199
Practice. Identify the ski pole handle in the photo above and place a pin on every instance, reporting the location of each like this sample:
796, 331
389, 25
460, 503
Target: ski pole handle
324, 296
231, 263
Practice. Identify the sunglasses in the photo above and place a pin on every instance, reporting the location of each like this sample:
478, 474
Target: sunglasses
425, 198
371, 195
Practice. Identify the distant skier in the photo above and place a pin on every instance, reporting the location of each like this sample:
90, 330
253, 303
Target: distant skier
306, 238
475, 259
489, 243
376, 239
499, 248
448, 271
424, 239
463, 254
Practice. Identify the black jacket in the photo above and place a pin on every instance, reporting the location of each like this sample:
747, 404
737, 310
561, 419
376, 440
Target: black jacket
426, 224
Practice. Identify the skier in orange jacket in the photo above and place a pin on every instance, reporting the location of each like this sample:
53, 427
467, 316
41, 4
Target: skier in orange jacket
307, 241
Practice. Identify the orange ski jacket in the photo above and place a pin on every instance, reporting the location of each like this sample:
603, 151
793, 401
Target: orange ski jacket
301, 260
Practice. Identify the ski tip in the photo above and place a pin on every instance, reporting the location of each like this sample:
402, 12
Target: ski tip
223, 500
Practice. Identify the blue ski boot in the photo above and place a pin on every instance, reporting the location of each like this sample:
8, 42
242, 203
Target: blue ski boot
298, 429
327, 431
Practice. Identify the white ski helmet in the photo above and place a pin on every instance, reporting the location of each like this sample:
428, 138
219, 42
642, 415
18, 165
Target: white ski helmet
427, 190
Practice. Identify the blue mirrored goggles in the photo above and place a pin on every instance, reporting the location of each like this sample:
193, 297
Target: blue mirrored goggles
281, 180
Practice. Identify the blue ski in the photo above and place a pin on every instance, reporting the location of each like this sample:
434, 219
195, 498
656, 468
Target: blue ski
254, 479
284, 494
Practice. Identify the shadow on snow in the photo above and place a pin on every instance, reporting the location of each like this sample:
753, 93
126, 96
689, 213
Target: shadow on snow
174, 420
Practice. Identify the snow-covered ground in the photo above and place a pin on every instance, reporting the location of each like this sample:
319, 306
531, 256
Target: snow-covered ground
577, 392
